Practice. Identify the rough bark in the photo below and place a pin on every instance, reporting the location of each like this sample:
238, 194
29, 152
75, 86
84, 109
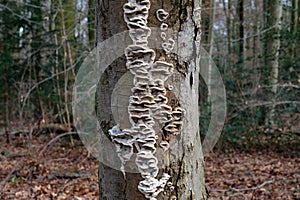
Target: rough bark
241, 51
187, 174
294, 24
273, 47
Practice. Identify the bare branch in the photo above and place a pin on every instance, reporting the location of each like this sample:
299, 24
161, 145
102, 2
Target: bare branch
45, 80
54, 140
16, 14
253, 188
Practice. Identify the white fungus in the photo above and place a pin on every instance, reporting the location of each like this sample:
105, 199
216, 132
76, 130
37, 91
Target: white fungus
148, 103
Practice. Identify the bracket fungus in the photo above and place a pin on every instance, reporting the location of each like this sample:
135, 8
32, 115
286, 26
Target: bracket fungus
148, 103
164, 27
162, 15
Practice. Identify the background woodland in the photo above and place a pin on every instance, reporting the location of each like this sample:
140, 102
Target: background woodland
255, 45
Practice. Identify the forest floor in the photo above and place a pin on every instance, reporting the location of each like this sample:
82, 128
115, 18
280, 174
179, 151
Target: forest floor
43, 168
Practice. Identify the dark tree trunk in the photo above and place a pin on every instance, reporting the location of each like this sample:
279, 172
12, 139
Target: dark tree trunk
241, 31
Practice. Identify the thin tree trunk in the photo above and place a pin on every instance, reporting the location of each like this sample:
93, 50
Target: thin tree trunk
186, 173
274, 21
4, 61
208, 18
91, 22
66, 22
294, 24
228, 23
6, 100
240, 9
210, 41
266, 11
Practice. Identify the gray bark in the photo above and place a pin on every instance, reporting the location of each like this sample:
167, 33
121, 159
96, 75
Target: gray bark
187, 175
273, 47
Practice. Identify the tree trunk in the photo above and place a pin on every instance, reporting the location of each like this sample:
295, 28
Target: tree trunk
91, 22
273, 47
294, 24
227, 12
241, 49
208, 17
182, 178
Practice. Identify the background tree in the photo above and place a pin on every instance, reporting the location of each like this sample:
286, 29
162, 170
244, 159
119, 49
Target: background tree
274, 20
208, 20
43, 43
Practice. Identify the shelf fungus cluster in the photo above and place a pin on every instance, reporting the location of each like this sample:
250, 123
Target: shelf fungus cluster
168, 44
148, 104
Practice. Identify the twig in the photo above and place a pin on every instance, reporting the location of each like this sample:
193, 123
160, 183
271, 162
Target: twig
6, 180
45, 80
246, 189
55, 126
287, 85
253, 104
55, 139
67, 176
252, 188
17, 15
